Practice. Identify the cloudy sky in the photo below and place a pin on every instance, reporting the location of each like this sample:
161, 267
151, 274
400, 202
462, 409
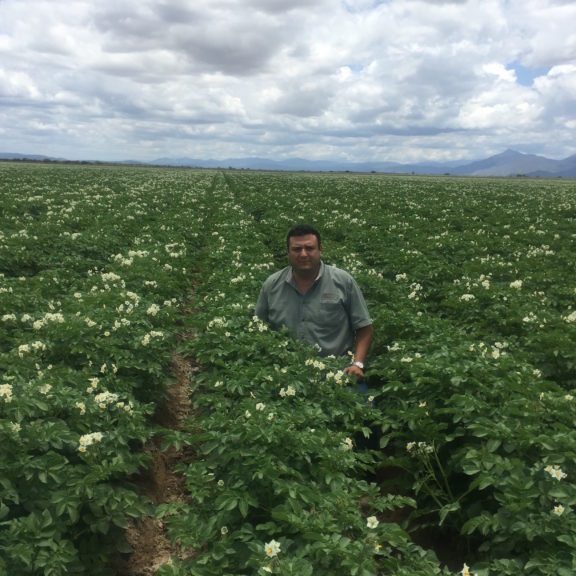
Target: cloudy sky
355, 80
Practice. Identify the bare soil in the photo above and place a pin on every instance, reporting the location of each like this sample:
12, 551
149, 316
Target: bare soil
147, 536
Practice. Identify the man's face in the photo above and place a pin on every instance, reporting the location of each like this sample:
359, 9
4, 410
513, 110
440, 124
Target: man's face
304, 254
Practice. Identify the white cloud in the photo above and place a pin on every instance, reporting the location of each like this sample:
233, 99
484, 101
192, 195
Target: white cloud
14, 84
400, 80
500, 71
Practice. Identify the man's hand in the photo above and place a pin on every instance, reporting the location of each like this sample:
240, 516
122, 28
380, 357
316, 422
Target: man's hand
363, 341
354, 371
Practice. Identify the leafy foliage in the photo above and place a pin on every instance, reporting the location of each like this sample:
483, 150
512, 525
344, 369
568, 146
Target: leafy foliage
472, 290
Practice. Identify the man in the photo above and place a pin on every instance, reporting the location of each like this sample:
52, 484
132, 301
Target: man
318, 303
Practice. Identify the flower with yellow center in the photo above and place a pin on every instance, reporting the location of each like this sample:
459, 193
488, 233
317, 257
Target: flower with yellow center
272, 548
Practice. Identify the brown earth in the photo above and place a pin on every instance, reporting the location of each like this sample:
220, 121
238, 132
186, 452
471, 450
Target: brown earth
159, 483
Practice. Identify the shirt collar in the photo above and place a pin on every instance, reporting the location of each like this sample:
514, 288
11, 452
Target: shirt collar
290, 275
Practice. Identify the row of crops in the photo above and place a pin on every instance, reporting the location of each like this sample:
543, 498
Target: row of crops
470, 414
93, 272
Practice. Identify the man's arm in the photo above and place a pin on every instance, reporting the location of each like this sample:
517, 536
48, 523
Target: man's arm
363, 341
261, 309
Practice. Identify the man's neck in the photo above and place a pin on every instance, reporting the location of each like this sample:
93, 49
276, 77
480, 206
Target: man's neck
304, 280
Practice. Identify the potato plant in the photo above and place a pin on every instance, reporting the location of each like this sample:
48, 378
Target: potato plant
459, 458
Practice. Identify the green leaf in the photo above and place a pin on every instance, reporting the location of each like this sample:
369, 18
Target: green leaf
123, 546
445, 510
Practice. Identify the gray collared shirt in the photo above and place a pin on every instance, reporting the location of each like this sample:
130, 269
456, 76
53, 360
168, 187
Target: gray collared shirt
327, 316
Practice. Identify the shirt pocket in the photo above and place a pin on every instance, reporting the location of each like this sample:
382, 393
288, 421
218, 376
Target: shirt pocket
332, 314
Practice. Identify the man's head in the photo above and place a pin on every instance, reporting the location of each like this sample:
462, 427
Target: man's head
304, 250
303, 230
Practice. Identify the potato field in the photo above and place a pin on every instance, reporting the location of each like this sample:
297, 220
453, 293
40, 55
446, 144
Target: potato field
459, 460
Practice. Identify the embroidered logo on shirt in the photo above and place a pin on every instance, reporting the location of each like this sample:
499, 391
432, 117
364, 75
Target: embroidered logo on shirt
329, 297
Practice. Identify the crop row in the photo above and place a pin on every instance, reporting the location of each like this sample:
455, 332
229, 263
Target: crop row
95, 266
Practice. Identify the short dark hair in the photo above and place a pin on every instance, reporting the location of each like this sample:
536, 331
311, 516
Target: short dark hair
302, 230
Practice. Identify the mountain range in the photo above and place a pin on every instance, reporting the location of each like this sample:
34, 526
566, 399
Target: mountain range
507, 163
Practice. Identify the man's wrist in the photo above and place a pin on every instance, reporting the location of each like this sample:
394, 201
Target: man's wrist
358, 364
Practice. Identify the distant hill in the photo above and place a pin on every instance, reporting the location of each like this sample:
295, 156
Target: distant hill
303, 165
18, 156
507, 163
564, 169
510, 163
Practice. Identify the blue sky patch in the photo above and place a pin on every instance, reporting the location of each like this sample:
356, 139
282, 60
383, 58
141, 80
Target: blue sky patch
525, 76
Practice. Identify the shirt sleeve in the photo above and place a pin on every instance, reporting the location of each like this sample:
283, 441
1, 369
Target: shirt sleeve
261, 309
358, 310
